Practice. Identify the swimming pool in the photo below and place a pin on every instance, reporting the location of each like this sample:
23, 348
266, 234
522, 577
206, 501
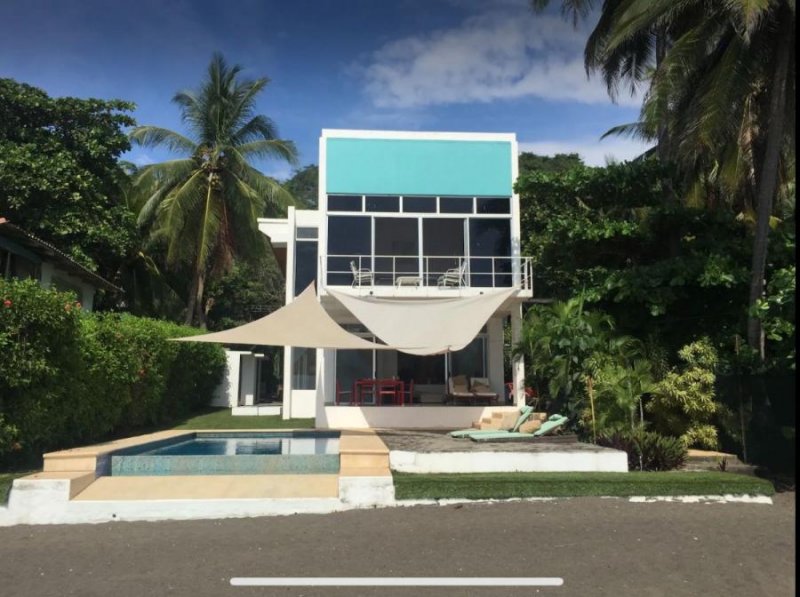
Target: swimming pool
231, 453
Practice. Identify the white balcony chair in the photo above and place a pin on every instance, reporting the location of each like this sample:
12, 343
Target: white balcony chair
361, 276
453, 276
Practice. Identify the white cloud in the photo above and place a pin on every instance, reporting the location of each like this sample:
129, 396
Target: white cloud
594, 152
506, 54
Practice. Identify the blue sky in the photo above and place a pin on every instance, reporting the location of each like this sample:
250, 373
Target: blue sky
440, 65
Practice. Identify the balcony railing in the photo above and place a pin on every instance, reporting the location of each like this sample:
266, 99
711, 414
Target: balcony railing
427, 271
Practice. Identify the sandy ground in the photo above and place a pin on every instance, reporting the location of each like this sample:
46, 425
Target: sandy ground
599, 547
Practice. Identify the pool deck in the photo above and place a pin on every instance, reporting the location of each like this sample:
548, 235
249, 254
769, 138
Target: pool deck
362, 454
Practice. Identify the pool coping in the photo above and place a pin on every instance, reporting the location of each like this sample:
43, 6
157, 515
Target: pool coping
364, 475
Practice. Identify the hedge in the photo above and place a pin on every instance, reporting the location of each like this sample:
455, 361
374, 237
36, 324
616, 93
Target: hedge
68, 377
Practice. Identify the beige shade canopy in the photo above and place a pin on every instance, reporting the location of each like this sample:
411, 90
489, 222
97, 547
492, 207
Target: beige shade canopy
303, 323
431, 326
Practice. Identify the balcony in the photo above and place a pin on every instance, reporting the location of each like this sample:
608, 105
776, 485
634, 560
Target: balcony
397, 275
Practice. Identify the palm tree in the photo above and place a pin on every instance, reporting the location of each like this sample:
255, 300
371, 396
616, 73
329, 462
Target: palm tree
721, 90
203, 207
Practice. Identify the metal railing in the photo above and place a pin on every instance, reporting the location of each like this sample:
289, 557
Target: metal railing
435, 271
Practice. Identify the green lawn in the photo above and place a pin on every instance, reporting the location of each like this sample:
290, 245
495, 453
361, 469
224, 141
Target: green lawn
6, 479
221, 418
521, 485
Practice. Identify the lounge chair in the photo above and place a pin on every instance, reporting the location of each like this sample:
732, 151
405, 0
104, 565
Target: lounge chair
479, 386
524, 414
458, 389
549, 426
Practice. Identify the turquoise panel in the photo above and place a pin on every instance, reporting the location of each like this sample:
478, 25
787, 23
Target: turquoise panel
418, 167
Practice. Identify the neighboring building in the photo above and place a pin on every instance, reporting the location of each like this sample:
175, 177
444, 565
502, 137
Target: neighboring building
401, 215
23, 255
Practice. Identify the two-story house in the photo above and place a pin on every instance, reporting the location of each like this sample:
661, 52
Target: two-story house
427, 219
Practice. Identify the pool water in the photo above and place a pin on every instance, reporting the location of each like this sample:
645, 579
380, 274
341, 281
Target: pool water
248, 446
230, 453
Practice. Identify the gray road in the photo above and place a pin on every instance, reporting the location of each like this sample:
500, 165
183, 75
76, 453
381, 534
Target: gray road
599, 547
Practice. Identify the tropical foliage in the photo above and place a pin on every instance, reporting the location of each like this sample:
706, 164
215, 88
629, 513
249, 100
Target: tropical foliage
720, 88
69, 377
683, 403
202, 208
60, 178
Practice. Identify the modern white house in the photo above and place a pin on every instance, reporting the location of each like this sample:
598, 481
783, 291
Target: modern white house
410, 226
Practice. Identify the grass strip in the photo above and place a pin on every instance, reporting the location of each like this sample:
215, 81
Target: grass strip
522, 485
223, 419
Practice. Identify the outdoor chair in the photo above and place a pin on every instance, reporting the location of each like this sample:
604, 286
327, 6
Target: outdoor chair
458, 389
350, 397
454, 276
361, 275
479, 386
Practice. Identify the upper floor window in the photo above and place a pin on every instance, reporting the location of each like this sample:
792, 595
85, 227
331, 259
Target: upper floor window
456, 205
345, 203
382, 203
419, 205
493, 205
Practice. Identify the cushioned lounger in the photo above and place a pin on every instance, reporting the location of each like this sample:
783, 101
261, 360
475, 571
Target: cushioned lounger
553, 423
524, 414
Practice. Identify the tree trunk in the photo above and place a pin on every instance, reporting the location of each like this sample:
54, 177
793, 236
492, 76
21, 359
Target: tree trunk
767, 179
200, 306
192, 302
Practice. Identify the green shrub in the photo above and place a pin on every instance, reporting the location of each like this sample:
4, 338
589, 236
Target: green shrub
69, 377
647, 450
684, 401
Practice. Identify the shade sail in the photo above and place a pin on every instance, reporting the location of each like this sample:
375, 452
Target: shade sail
303, 323
431, 326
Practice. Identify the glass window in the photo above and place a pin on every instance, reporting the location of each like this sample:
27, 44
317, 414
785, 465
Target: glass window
421, 370
493, 205
442, 246
399, 239
344, 203
304, 368
350, 366
455, 205
305, 265
307, 233
349, 239
470, 360
490, 252
23, 268
419, 204
383, 203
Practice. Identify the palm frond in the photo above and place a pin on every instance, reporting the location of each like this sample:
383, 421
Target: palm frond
155, 136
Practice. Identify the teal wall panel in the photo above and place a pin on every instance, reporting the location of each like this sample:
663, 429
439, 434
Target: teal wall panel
418, 167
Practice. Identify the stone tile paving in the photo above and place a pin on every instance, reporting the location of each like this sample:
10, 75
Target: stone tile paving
439, 441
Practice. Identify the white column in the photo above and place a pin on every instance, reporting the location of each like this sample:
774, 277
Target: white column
286, 411
494, 355
517, 363
247, 396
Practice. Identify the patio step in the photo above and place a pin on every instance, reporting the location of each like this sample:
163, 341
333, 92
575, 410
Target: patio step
707, 460
196, 487
362, 453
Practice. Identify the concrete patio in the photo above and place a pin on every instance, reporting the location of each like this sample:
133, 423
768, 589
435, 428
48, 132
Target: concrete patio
422, 451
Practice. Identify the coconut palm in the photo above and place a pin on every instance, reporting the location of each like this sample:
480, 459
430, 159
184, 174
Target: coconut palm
203, 207
722, 92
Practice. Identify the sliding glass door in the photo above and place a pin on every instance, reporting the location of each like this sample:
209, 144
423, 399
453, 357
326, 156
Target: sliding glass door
396, 249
